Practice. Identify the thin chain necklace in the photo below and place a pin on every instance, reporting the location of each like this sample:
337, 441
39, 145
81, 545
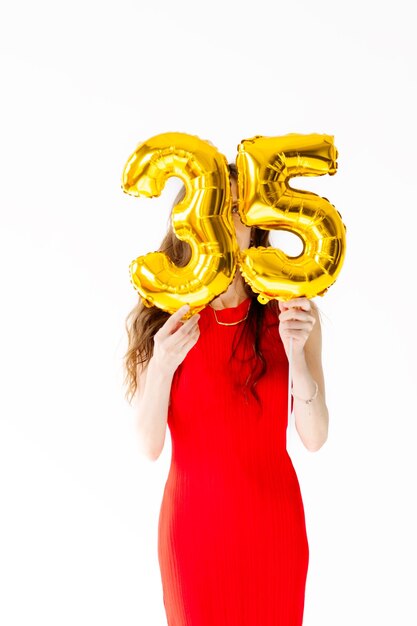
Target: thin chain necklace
230, 323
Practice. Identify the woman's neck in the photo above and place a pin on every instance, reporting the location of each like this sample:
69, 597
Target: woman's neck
232, 297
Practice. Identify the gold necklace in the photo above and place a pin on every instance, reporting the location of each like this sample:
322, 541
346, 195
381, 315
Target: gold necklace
230, 323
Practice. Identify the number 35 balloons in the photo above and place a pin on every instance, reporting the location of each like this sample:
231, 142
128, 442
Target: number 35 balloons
265, 200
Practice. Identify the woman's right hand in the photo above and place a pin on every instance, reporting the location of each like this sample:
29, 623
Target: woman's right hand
175, 339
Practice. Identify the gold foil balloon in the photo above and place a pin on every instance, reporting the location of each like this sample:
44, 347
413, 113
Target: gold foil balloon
203, 219
266, 200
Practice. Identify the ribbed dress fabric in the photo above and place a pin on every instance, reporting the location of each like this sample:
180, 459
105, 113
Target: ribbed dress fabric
232, 541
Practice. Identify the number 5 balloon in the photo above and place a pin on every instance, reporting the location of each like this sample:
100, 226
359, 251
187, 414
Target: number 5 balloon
265, 165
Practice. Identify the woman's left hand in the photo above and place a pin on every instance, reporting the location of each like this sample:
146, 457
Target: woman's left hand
296, 321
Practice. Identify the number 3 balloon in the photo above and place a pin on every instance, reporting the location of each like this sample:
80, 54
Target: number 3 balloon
265, 200
203, 219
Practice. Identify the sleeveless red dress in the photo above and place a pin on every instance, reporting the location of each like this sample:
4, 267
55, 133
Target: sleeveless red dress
232, 541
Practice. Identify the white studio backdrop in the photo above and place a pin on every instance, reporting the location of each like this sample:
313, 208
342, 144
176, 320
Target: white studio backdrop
82, 84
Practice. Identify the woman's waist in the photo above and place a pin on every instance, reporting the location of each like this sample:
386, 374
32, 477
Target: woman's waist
204, 493
207, 471
227, 446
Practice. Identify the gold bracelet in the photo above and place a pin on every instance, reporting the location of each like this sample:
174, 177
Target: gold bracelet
310, 399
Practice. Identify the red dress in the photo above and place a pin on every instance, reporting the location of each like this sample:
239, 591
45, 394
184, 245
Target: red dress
232, 541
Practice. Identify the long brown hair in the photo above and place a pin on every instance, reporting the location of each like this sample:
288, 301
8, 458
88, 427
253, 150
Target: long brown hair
143, 322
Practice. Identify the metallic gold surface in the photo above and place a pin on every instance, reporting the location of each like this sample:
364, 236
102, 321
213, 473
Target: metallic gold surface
266, 200
203, 219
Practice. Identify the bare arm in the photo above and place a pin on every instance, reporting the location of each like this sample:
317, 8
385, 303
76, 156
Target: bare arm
300, 320
152, 402
171, 344
311, 422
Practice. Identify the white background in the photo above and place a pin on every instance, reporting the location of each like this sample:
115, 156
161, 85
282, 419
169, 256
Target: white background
82, 84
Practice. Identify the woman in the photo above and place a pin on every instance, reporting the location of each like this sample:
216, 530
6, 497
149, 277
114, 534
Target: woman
232, 542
